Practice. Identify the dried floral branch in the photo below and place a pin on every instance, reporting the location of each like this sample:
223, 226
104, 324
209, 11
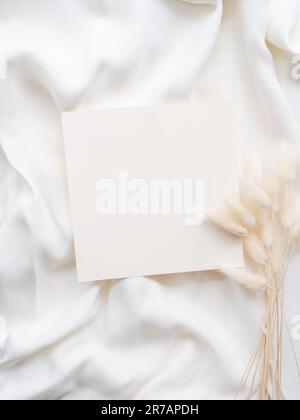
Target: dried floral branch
267, 219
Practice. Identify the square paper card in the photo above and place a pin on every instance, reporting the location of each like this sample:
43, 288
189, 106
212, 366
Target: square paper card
140, 180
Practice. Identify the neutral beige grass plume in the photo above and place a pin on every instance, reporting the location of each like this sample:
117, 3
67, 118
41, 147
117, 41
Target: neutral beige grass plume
245, 217
266, 217
255, 249
225, 219
245, 278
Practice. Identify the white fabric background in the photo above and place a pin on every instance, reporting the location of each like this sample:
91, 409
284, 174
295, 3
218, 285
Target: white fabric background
182, 336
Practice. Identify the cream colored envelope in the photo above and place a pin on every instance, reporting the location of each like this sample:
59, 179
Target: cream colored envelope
134, 175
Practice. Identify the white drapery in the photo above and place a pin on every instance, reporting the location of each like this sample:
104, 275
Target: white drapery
181, 336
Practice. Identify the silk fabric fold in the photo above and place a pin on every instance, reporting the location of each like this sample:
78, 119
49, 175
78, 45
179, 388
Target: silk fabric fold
185, 336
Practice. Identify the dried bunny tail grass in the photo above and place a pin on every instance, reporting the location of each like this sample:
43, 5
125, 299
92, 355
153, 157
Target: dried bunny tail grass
265, 227
245, 278
252, 196
277, 259
255, 250
269, 179
288, 162
271, 199
241, 212
249, 171
289, 212
225, 220
295, 232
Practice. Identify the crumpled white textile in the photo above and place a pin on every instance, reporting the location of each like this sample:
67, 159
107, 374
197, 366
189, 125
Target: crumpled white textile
185, 336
